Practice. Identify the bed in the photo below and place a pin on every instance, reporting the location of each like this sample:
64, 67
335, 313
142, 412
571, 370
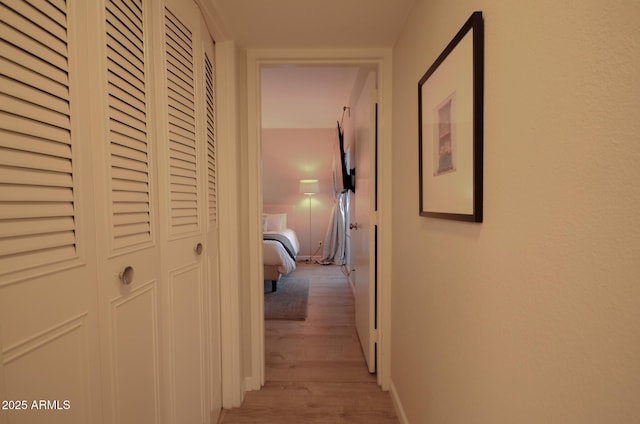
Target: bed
280, 247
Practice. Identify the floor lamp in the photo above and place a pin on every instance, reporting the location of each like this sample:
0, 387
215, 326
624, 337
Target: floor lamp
309, 187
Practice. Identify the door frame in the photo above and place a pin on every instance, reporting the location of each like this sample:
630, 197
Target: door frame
382, 59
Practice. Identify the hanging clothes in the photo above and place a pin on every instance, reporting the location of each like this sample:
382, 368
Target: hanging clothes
336, 245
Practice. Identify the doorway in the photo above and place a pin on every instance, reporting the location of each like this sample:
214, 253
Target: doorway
301, 106
380, 60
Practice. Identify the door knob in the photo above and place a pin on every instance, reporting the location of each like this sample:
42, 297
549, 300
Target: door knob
353, 226
198, 249
126, 276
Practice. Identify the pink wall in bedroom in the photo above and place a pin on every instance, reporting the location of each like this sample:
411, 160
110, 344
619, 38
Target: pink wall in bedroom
292, 154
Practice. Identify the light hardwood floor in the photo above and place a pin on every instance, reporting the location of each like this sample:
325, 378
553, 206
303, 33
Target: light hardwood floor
315, 371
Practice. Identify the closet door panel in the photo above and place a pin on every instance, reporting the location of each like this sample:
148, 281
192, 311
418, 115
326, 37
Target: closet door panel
187, 317
125, 185
182, 173
213, 287
134, 355
184, 196
129, 151
48, 310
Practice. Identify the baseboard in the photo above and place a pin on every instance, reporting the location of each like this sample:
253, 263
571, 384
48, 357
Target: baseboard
307, 259
216, 416
402, 417
251, 383
352, 284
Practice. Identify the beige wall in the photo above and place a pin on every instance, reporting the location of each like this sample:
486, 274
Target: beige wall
534, 315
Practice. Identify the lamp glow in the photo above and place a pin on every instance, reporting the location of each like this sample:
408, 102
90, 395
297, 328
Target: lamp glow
309, 188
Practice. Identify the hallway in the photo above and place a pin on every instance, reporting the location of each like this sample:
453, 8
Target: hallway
315, 371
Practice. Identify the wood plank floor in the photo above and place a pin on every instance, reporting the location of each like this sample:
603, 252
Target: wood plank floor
315, 371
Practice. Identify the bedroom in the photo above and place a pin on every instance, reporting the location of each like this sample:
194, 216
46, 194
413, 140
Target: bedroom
301, 106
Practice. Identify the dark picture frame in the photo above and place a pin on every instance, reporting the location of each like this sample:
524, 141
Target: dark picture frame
450, 128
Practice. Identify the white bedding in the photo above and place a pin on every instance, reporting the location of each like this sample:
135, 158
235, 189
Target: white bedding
274, 254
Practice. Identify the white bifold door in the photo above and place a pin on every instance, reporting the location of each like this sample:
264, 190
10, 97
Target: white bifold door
49, 327
188, 236
109, 295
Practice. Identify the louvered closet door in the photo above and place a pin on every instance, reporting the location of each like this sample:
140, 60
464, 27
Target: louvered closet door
48, 309
182, 172
127, 213
212, 221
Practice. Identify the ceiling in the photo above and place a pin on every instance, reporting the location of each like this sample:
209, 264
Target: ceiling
312, 23
305, 96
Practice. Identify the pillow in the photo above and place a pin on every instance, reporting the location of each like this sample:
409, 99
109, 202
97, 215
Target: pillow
276, 221
265, 220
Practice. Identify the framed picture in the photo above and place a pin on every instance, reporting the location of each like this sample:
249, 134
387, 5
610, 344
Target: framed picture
450, 128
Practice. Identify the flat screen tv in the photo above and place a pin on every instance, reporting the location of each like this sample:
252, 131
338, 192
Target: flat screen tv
348, 174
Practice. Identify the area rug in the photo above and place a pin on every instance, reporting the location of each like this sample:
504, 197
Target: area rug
289, 302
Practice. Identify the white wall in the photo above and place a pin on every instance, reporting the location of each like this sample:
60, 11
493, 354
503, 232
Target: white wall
532, 316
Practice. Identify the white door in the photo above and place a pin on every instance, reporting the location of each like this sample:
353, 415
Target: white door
213, 278
127, 233
49, 348
363, 223
103, 317
182, 175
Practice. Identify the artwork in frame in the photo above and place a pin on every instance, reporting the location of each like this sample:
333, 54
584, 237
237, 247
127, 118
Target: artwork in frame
450, 128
